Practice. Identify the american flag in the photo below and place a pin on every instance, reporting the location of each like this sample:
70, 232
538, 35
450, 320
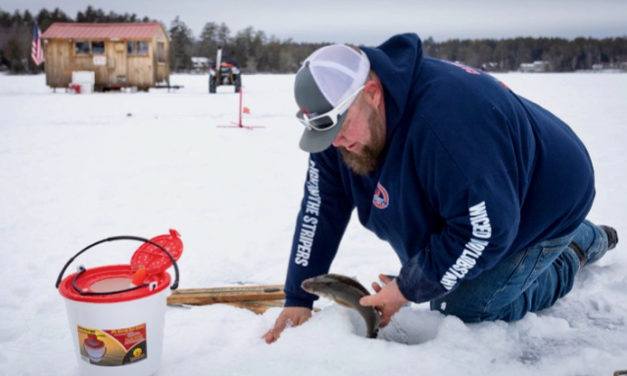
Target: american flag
36, 50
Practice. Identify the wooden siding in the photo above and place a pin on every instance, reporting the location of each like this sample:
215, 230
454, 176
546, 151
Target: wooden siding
162, 71
57, 64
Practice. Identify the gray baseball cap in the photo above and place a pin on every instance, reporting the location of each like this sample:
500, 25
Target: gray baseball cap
326, 85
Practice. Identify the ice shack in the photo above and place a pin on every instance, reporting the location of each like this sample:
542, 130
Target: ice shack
119, 54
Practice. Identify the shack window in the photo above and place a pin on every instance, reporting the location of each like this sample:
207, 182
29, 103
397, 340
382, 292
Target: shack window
160, 52
82, 47
97, 48
142, 48
136, 48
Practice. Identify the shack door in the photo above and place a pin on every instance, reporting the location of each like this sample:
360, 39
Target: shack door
116, 63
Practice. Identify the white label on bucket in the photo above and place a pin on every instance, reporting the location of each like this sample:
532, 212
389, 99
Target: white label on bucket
112, 347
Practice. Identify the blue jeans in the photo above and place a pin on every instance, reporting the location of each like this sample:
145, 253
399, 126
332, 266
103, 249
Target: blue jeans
530, 280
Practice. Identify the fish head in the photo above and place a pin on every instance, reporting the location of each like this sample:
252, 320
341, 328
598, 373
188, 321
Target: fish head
308, 285
317, 285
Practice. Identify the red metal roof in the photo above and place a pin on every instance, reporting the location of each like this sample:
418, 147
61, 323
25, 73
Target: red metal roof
138, 30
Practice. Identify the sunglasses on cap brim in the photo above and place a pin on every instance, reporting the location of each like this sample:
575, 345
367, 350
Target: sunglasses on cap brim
329, 119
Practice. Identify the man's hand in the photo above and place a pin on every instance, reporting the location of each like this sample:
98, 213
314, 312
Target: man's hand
387, 300
290, 316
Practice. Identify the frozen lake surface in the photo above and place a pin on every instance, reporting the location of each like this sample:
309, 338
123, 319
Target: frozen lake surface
78, 168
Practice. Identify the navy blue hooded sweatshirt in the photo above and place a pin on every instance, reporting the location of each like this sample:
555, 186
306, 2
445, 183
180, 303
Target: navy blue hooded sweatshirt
471, 173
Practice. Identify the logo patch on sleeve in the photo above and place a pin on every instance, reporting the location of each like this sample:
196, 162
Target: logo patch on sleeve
381, 199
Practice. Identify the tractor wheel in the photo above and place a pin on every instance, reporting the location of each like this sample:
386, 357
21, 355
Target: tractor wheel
238, 83
212, 84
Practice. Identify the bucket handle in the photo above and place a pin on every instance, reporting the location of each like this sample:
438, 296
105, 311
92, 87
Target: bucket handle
113, 238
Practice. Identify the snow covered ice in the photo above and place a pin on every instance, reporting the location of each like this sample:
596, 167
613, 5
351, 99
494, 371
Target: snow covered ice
78, 168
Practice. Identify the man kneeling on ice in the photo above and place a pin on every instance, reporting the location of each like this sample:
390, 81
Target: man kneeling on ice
482, 193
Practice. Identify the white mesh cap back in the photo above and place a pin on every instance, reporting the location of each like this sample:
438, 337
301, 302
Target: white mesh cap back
339, 70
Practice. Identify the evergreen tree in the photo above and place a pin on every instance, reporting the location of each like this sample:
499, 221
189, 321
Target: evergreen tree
13, 52
224, 35
181, 46
208, 41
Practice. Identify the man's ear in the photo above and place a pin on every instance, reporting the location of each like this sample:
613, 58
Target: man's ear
373, 93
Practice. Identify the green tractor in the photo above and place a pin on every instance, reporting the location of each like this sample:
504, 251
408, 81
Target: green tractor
224, 73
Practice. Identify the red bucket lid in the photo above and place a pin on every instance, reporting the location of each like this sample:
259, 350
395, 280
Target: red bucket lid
148, 266
152, 258
111, 273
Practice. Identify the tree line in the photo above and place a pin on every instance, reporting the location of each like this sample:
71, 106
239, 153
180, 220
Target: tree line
561, 55
251, 49
254, 51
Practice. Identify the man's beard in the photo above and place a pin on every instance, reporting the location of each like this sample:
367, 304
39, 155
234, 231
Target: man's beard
370, 155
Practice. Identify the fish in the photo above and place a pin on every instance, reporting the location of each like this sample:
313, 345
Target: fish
346, 292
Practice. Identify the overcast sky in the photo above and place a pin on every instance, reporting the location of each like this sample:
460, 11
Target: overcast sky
371, 22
